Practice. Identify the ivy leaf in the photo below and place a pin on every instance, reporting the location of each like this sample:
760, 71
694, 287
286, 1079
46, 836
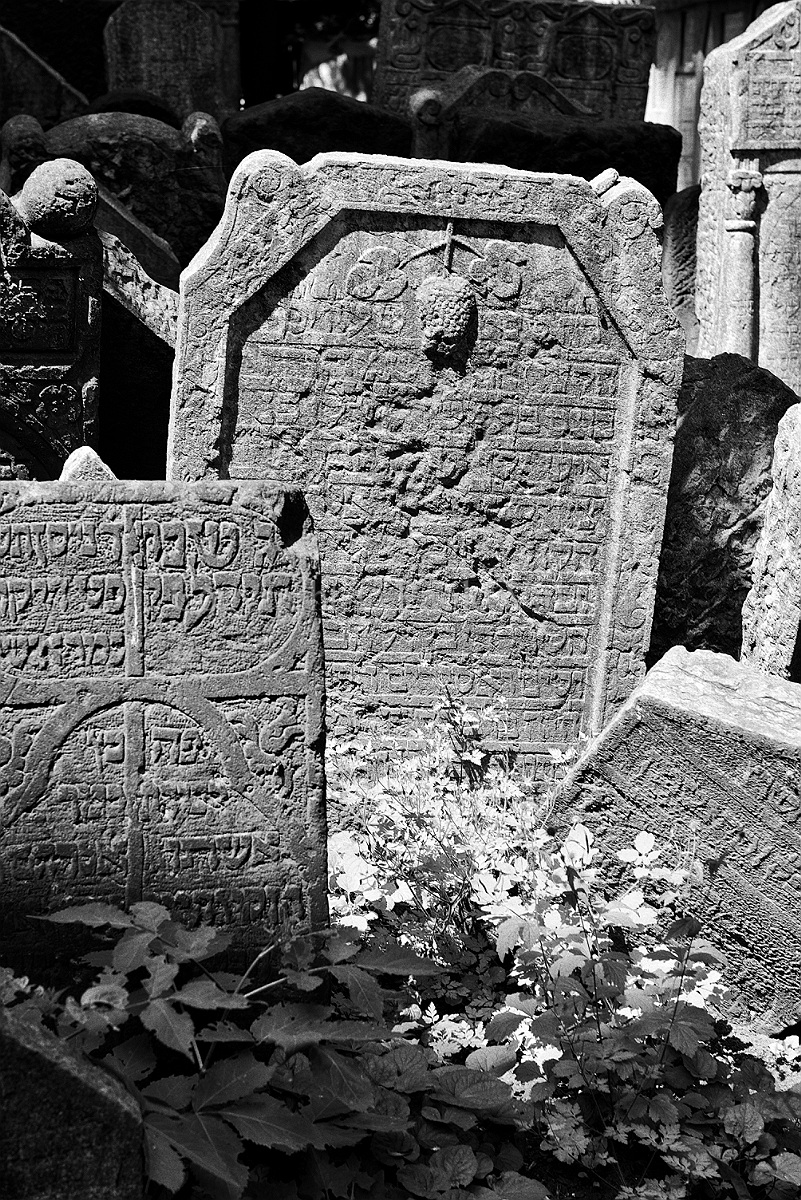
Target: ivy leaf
93, 915
172, 1028
175, 1091
398, 960
267, 1122
743, 1122
363, 990
231, 1079
204, 993
209, 1144
162, 1164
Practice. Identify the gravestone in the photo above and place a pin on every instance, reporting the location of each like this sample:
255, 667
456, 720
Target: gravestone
706, 755
49, 320
171, 48
70, 1131
161, 719
472, 373
679, 259
749, 250
772, 608
598, 55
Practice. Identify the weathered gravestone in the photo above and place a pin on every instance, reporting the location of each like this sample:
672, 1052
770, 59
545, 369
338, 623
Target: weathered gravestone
171, 48
706, 754
472, 374
161, 717
749, 250
772, 608
598, 55
50, 293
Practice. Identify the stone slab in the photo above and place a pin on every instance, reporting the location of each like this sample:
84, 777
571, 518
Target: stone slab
161, 698
598, 55
772, 608
69, 1130
30, 85
707, 753
471, 372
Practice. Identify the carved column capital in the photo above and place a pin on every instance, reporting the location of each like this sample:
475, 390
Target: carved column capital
744, 184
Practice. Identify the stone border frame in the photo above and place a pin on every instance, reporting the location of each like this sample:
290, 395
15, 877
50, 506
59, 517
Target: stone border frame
275, 207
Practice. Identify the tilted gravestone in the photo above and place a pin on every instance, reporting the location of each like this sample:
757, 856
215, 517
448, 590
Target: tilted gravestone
748, 288
49, 320
472, 374
598, 55
161, 699
706, 755
170, 48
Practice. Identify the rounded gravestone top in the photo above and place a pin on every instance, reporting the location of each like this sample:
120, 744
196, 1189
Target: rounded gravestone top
58, 199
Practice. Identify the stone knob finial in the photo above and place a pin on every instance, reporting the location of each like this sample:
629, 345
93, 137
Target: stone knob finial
58, 200
85, 464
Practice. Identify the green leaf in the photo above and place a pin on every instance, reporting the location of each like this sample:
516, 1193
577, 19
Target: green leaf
208, 1143
148, 915
172, 1028
457, 1163
512, 1186
495, 1059
267, 1122
341, 947
133, 1059
223, 1031
175, 1091
295, 1025
508, 936
93, 915
503, 1025
161, 975
341, 1079
162, 1164
787, 1167
363, 990
663, 1111
475, 1090
132, 951
398, 960
422, 1181
304, 981
231, 1079
204, 993
683, 1038
743, 1122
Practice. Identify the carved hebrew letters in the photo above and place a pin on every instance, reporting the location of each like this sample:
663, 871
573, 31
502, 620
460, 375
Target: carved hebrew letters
161, 687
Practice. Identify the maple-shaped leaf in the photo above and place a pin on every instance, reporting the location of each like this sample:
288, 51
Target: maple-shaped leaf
398, 960
175, 1090
204, 993
163, 1164
210, 1145
172, 1028
267, 1122
363, 989
230, 1080
93, 915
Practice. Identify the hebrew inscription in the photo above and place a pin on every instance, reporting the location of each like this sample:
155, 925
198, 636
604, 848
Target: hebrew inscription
161, 687
445, 360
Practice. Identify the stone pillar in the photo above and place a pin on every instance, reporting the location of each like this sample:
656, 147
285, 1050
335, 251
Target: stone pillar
741, 227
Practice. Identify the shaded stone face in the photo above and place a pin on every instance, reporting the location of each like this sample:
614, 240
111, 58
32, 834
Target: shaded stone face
451, 363
161, 725
597, 55
706, 755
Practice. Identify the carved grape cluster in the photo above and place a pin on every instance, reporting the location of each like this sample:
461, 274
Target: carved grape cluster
447, 307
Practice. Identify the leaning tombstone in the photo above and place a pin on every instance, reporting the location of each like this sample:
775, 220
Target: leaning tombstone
161, 698
598, 55
772, 608
472, 374
748, 283
171, 48
50, 293
706, 756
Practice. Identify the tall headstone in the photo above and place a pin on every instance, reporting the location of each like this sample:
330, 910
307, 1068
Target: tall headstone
749, 249
472, 374
49, 320
772, 609
597, 54
706, 755
161, 700
171, 48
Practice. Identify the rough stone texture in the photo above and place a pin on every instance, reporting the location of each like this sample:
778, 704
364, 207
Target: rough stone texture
772, 608
85, 464
729, 411
49, 324
707, 753
170, 48
124, 279
70, 1131
679, 259
23, 144
311, 122
171, 179
151, 251
597, 54
162, 716
472, 373
749, 261
29, 85
578, 146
